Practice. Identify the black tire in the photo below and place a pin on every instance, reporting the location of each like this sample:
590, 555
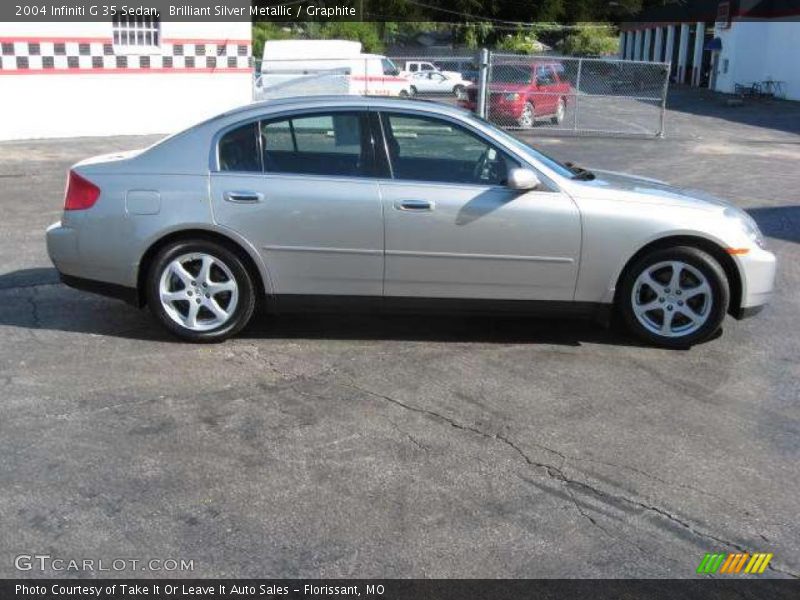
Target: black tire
707, 266
245, 305
556, 119
405, 94
459, 91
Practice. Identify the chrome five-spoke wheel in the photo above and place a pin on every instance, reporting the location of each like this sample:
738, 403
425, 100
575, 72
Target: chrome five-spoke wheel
672, 298
198, 291
201, 290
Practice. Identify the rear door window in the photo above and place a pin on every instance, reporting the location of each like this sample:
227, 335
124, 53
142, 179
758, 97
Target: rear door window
335, 143
238, 150
318, 144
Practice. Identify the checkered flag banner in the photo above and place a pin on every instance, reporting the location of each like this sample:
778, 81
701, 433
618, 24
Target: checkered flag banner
32, 56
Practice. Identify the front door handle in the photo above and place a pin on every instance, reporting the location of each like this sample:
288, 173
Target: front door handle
243, 197
415, 205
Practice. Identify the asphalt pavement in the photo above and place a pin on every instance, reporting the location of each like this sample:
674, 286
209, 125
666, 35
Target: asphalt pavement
365, 446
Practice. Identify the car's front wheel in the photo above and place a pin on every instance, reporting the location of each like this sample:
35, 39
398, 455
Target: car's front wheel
200, 291
674, 297
561, 111
528, 116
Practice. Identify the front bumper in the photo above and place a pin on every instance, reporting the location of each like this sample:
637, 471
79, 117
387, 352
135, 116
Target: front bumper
757, 269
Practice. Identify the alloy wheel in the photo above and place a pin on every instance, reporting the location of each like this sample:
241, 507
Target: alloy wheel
671, 299
198, 291
526, 120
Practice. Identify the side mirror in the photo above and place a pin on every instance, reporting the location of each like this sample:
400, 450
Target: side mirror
522, 179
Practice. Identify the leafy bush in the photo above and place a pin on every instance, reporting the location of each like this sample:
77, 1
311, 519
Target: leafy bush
519, 43
591, 40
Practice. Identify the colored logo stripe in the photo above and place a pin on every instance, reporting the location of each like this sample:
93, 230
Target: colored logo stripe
733, 563
710, 563
758, 563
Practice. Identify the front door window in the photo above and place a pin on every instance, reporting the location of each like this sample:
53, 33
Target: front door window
430, 149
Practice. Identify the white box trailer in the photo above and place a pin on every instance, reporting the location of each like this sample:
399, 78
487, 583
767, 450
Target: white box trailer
304, 67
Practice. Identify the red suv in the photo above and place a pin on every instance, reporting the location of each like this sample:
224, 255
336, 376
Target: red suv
521, 93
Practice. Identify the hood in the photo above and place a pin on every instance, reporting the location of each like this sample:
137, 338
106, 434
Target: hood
499, 86
654, 190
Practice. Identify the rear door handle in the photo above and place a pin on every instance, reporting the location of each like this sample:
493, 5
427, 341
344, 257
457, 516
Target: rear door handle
243, 197
415, 205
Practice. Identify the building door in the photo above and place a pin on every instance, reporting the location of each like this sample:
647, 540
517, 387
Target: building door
712, 80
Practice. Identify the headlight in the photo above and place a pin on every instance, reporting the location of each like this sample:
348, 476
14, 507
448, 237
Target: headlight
748, 225
511, 97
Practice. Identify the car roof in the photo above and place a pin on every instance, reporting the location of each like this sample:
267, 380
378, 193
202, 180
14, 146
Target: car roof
339, 101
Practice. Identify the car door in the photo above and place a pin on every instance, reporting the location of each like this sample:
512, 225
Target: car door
440, 84
421, 82
453, 230
301, 189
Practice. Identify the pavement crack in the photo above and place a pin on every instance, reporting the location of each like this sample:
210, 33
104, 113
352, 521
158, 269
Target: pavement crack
551, 470
408, 436
557, 473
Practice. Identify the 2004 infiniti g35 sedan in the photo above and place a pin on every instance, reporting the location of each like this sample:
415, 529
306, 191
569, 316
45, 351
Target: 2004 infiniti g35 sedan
397, 204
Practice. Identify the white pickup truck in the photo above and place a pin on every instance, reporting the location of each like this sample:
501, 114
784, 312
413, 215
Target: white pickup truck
421, 66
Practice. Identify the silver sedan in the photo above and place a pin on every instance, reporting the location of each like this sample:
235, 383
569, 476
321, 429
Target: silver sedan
331, 202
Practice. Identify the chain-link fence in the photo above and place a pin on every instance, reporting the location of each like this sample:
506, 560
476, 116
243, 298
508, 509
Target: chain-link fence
580, 95
543, 93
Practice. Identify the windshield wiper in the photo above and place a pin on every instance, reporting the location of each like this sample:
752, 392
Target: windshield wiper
580, 173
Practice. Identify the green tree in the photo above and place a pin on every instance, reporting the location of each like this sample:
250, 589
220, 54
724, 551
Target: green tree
268, 30
367, 33
474, 34
590, 40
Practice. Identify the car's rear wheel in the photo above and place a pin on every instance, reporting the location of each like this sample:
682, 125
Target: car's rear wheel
460, 91
405, 94
674, 297
561, 111
528, 116
200, 291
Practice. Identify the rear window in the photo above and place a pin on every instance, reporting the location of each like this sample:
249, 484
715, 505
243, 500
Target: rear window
511, 74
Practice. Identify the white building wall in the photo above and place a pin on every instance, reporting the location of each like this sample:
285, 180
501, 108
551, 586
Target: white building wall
102, 98
760, 50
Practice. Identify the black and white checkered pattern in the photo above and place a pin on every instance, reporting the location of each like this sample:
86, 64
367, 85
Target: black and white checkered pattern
71, 55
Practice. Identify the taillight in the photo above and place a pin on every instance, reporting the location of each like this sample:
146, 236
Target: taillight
81, 193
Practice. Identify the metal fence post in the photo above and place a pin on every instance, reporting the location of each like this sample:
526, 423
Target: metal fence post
662, 124
483, 83
577, 93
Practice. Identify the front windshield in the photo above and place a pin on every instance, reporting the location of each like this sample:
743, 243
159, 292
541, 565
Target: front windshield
551, 163
511, 74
